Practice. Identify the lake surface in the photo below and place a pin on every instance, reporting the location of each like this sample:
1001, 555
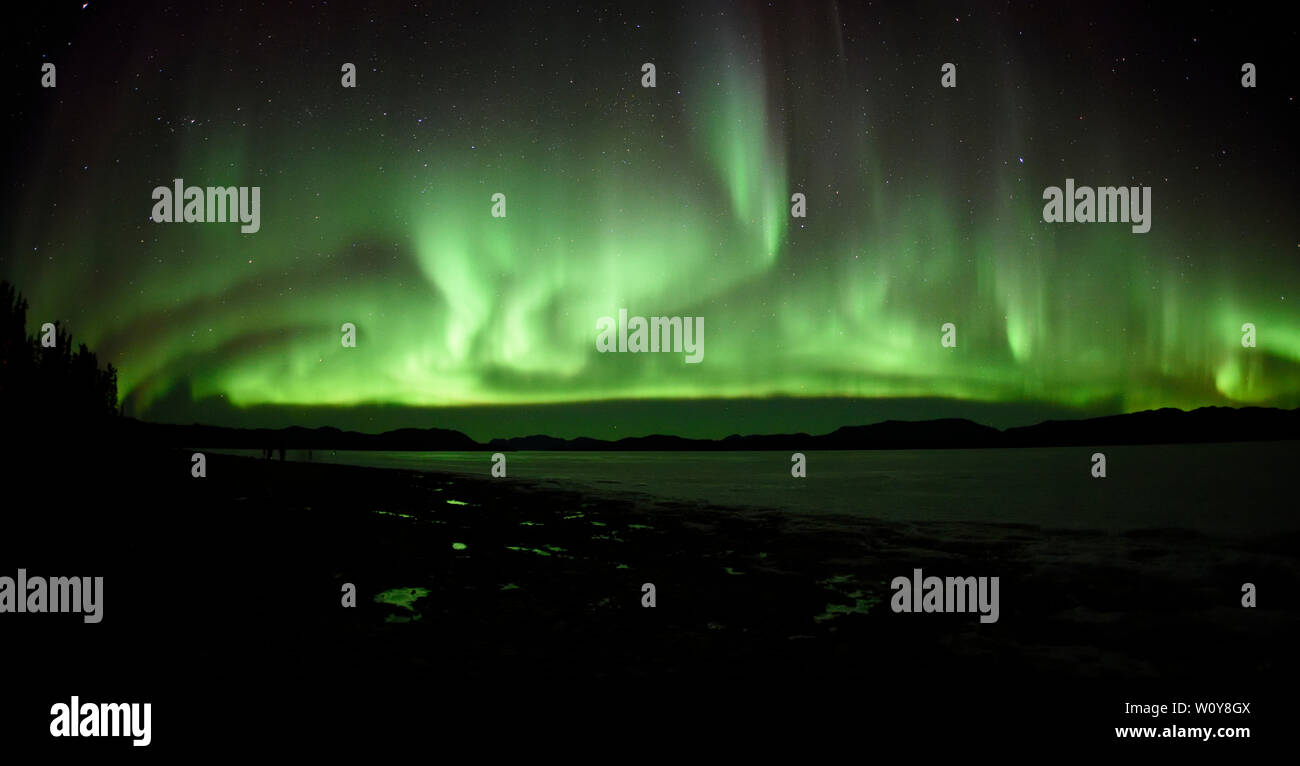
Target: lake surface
1239, 489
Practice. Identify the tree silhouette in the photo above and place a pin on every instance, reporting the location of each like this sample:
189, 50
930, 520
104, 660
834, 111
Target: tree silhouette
48, 387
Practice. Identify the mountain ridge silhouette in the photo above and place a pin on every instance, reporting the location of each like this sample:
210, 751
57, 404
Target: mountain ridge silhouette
1162, 426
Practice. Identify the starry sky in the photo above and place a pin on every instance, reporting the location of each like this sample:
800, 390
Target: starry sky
924, 206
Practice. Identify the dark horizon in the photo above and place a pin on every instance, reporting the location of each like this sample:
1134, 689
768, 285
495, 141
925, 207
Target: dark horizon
1163, 426
712, 418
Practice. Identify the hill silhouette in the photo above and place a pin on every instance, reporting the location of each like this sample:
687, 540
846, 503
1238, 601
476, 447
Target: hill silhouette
1165, 426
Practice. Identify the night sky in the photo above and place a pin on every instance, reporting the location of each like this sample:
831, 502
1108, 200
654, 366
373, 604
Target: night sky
924, 207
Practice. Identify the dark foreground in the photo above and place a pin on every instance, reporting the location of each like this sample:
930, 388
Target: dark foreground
516, 613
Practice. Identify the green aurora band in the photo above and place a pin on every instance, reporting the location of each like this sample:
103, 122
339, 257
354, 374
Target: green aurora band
671, 201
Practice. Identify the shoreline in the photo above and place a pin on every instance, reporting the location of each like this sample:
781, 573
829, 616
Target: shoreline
217, 586
794, 588
1191, 489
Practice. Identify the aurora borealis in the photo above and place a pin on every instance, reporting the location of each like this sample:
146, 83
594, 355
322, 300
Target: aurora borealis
924, 205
